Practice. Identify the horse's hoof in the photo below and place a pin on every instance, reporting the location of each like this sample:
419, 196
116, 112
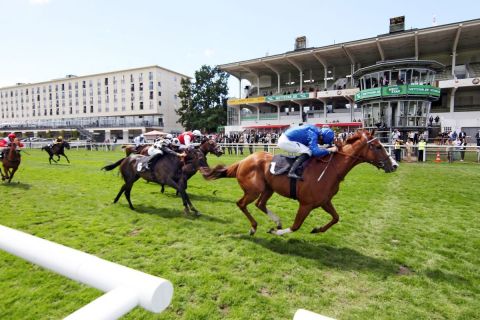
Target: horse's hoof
272, 231
186, 212
252, 231
279, 227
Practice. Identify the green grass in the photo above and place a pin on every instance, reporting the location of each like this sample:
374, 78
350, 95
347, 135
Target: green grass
406, 247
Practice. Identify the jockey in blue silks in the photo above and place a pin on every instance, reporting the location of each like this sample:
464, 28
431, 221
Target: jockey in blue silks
305, 140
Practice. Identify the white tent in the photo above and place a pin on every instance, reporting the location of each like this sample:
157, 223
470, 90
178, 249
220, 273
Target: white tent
154, 133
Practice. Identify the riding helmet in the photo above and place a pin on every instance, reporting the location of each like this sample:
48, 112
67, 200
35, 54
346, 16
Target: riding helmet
12, 135
197, 133
328, 135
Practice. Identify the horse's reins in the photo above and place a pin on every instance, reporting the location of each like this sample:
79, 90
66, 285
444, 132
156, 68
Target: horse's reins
350, 156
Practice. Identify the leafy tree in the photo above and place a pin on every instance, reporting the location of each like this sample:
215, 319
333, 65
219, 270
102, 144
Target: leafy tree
204, 102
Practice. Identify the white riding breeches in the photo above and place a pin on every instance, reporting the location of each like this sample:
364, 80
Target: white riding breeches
152, 150
292, 146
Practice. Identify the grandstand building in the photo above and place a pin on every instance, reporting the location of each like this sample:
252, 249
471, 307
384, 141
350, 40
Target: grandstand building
118, 104
403, 79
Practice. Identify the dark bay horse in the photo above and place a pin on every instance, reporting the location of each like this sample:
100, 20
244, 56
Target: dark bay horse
191, 167
167, 170
11, 161
322, 177
58, 150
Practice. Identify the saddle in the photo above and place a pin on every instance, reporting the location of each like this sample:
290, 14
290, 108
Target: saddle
147, 163
281, 165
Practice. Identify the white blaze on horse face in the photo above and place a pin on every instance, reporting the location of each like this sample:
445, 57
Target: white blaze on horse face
394, 163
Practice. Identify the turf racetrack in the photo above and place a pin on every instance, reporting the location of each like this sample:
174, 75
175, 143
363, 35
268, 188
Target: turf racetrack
406, 247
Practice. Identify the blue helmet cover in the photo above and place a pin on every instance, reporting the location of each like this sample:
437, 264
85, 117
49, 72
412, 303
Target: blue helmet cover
328, 135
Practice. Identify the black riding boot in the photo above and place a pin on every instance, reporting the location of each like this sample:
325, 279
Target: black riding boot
301, 159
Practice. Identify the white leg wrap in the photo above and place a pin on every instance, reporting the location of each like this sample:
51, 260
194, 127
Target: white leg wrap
283, 231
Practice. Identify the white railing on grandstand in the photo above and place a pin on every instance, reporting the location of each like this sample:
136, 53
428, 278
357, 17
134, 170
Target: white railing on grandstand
125, 288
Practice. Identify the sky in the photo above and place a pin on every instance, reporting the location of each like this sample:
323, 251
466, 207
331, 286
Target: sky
42, 40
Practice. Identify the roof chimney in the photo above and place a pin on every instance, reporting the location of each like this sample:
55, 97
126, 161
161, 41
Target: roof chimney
397, 24
300, 43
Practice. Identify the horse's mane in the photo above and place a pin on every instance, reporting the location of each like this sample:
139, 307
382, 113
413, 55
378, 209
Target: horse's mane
357, 136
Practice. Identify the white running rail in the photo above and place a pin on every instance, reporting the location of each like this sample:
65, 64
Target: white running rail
125, 288
303, 314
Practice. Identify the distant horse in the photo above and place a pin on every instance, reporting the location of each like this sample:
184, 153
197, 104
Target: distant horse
166, 170
129, 149
322, 177
11, 161
58, 150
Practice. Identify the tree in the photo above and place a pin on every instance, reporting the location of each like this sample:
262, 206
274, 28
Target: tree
204, 102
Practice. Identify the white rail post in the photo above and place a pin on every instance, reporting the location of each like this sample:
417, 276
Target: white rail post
303, 314
126, 288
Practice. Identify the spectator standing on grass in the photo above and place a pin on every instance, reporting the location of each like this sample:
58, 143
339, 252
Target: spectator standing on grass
409, 147
397, 150
421, 149
463, 148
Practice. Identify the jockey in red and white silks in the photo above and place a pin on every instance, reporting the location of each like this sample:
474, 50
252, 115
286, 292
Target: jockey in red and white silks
188, 137
7, 141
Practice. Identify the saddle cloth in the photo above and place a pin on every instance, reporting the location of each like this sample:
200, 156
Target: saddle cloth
281, 164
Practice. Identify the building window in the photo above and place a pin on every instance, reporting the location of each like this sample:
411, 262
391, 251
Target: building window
106, 81
132, 87
84, 109
150, 75
159, 103
141, 86
151, 95
141, 105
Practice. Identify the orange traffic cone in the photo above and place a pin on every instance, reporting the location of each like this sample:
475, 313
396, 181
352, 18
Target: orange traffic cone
438, 157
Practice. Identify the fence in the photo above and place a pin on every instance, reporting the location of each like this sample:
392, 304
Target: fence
447, 153
125, 288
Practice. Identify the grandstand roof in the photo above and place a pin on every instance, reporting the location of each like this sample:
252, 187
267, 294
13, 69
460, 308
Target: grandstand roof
438, 40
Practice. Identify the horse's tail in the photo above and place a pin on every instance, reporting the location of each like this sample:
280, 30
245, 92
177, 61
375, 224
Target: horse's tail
220, 171
113, 165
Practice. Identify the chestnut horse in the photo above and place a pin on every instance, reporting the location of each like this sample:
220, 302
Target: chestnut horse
11, 161
129, 149
322, 177
166, 170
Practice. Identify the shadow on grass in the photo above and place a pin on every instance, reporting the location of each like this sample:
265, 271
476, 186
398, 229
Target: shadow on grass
438, 275
16, 185
174, 213
327, 255
170, 192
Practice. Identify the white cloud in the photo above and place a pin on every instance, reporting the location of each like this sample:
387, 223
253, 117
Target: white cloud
208, 52
39, 2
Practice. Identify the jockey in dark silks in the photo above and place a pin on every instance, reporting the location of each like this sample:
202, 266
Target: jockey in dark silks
305, 140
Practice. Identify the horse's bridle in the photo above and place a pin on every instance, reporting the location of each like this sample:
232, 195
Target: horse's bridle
379, 164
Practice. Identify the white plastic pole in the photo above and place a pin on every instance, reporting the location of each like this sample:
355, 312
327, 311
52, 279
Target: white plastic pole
112, 305
152, 293
303, 314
